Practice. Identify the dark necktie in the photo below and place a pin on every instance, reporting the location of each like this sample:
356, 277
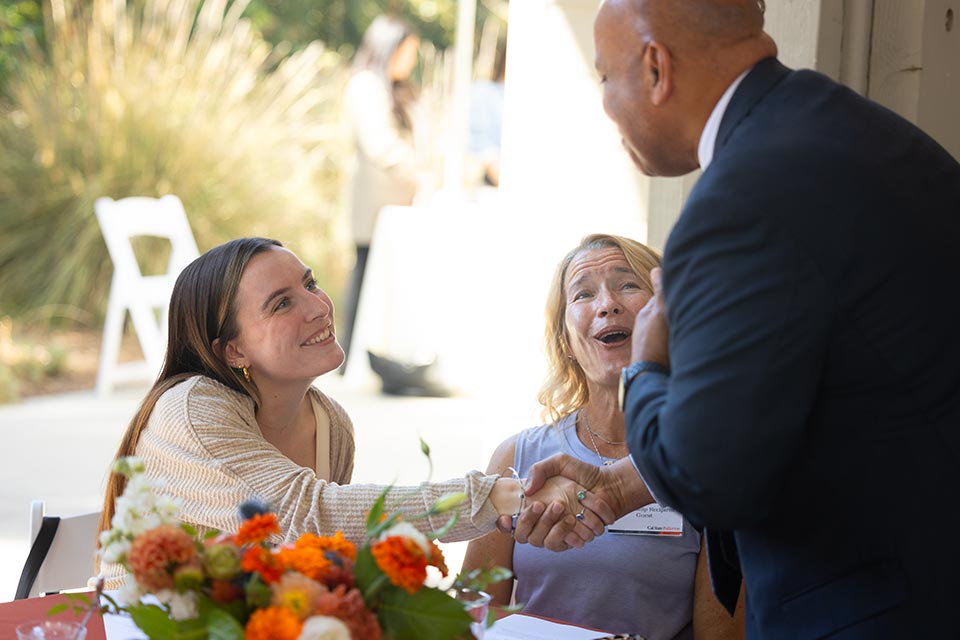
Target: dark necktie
724, 562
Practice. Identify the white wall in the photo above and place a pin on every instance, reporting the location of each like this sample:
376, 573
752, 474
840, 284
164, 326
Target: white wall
562, 163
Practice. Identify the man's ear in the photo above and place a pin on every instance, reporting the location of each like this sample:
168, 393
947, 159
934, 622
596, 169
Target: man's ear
658, 63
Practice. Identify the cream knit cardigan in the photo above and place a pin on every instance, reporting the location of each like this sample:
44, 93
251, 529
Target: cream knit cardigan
202, 441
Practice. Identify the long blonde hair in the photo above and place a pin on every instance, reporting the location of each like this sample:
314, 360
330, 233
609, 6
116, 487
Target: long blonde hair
565, 388
202, 309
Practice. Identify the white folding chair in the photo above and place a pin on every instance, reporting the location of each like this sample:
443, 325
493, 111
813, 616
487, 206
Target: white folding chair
120, 222
71, 559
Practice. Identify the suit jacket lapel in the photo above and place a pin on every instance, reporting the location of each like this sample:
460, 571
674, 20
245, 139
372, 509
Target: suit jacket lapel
764, 76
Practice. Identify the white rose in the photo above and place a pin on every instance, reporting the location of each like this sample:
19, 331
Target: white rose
324, 628
116, 550
129, 593
183, 606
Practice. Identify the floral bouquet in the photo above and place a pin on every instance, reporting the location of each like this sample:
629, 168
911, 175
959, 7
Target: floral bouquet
182, 586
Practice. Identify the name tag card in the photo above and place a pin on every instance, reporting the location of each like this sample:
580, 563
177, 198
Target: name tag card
651, 520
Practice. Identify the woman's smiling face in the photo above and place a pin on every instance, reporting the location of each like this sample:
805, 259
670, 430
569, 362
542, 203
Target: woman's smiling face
602, 296
285, 321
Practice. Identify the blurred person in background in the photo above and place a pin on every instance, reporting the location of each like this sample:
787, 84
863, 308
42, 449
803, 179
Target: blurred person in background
648, 574
378, 103
486, 119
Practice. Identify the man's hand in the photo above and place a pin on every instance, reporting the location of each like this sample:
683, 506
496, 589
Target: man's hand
651, 332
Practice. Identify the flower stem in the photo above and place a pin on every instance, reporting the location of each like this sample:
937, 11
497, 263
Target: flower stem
374, 588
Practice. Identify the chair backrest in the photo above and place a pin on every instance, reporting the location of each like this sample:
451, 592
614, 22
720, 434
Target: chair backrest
131, 291
71, 560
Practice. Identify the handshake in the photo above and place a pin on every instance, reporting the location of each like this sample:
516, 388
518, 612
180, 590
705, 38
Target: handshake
569, 502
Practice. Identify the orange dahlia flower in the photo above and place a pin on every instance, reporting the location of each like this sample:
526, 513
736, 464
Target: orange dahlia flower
257, 529
273, 623
436, 558
267, 564
347, 605
402, 560
310, 562
336, 542
154, 555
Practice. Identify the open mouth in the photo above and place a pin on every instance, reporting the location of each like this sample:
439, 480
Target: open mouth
613, 336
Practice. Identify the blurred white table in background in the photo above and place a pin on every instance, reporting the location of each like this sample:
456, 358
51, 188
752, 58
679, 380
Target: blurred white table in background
463, 281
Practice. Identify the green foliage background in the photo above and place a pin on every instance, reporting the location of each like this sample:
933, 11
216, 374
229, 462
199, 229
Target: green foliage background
238, 115
162, 96
19, 21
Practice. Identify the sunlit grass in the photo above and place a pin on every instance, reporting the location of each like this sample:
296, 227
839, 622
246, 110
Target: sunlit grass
154, 97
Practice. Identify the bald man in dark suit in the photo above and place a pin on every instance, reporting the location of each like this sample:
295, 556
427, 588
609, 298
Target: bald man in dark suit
797, 374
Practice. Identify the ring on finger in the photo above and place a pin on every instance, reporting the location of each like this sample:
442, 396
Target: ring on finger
580, 515
581, 494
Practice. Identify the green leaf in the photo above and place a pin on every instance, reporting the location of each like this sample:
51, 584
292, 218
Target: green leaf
236, 610
383, 526
479, 579
369, 579
58, 609
190, 529
154, 621
257, 593
429, 614
82, 598
376, 511
223, 626
213, 533
191, 630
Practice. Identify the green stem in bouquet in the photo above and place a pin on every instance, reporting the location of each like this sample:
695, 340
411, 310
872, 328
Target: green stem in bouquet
374, 588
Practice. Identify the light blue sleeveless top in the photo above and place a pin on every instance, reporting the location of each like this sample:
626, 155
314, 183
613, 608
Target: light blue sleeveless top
617, 583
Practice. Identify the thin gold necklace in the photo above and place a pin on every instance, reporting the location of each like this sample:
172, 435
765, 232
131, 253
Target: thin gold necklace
603, 461
612, 443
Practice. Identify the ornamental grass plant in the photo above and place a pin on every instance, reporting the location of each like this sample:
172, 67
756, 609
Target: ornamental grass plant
148, 97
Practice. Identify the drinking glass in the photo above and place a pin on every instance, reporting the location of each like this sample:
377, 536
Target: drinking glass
51, 630
476, 604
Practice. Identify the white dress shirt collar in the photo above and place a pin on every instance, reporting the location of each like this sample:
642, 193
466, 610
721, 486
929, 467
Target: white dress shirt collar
708, 139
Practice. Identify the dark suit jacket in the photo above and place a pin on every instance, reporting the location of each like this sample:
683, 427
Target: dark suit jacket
812, 284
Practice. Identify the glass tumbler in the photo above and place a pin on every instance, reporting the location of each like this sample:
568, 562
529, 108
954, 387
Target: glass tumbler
476, 604
51, 630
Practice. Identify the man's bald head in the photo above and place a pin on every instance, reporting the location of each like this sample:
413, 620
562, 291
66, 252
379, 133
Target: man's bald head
700, 24
664, 65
